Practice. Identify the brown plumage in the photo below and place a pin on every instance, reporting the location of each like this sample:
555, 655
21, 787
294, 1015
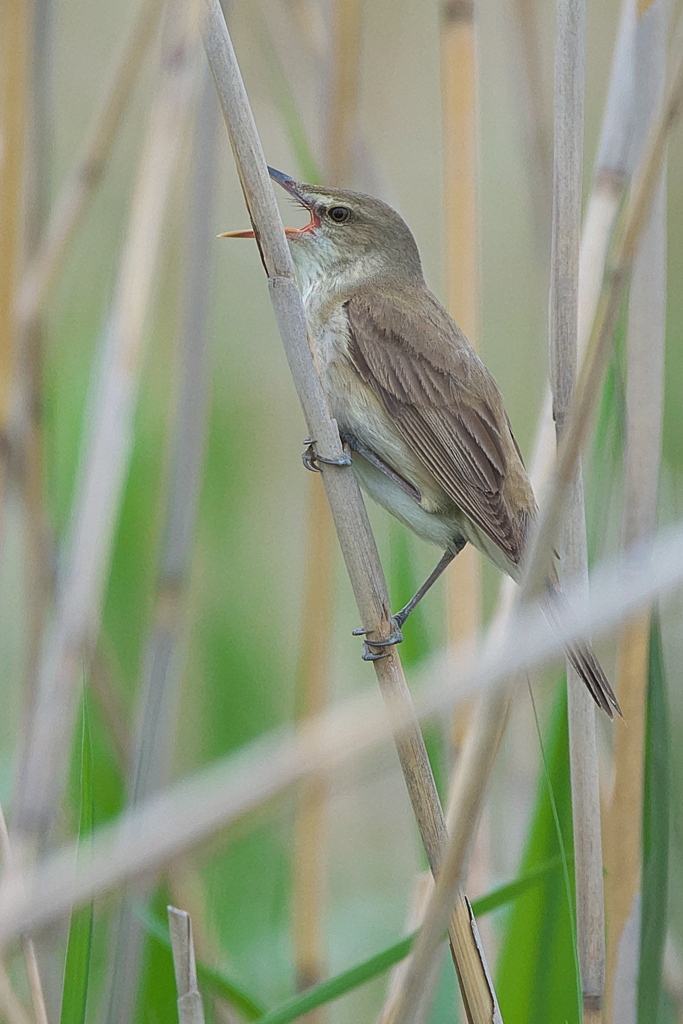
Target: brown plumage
424, 417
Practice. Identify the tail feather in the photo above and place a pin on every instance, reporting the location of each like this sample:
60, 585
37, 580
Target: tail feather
582, 658
590, 671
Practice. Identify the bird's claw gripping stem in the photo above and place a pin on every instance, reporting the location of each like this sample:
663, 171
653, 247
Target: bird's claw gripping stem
395, 637
310, 457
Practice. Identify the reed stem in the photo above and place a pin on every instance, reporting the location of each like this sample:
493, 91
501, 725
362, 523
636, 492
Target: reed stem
644, 405
350, 517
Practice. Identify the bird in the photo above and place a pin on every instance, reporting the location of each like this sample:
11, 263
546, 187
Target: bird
422, 420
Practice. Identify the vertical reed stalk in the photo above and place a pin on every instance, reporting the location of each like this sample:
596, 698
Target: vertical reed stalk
459, 132
74, 623
156, 719
351, 521
82, 181
15, 23
644, 403
613, 169
538, 128
564, 294
482, 740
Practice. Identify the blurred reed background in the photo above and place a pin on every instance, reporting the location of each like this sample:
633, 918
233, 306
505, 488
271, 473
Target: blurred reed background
169, 576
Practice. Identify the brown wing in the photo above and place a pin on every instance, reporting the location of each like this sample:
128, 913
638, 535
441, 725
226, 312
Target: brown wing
443, 401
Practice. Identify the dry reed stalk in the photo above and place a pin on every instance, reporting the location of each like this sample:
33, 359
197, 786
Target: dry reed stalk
74, 623
344, 46
421, 888
82, 181
459, 134
15, 20
350, 517
156, 717
308, 862
171, 823
479, 750
190, 1007
644, 405
613, 168
564, 308
539, 148
27, 947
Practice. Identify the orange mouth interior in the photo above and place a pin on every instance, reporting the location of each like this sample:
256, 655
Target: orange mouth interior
307, 229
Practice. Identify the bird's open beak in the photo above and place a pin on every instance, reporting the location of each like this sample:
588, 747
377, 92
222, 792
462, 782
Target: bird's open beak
289, 185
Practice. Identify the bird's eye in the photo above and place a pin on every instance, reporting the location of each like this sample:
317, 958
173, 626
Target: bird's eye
339, 214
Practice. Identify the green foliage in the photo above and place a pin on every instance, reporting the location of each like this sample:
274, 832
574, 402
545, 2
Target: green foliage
656, 812
537, 978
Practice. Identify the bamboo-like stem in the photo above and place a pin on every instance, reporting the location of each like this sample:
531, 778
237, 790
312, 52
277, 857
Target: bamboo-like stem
188, 812
564, 302
28, 949
190, 1007
82, 181
459, 132
644, 404
156, 717
350, 517
74, 623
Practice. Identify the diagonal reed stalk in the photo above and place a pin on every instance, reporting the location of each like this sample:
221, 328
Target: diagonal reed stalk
193, 809
350, 516
564, 306
156, 717
82, 181
644, 404
74, 622
459, 133
190, 1007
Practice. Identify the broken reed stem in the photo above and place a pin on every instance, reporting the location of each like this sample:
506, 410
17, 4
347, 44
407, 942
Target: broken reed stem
195, 808
28, 949
563, 332
190, 1007
644, 404
156, 718
350, 517
459, 134
82, 181
74, 623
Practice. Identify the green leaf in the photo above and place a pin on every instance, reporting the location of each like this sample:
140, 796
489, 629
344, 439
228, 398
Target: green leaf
656, 804
348, 980
79, 947
537, 978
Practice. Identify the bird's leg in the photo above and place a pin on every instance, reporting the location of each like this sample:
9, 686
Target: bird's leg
357, 446
399, 618
310, 457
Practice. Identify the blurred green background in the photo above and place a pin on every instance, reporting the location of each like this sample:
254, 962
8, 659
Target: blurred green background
245, 623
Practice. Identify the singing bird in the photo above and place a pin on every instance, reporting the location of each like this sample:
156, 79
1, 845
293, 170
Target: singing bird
422, 417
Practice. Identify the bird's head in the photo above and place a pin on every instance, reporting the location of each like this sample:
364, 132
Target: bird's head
350, 237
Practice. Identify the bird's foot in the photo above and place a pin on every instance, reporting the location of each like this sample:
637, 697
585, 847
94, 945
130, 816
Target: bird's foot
310, 457
369, 652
